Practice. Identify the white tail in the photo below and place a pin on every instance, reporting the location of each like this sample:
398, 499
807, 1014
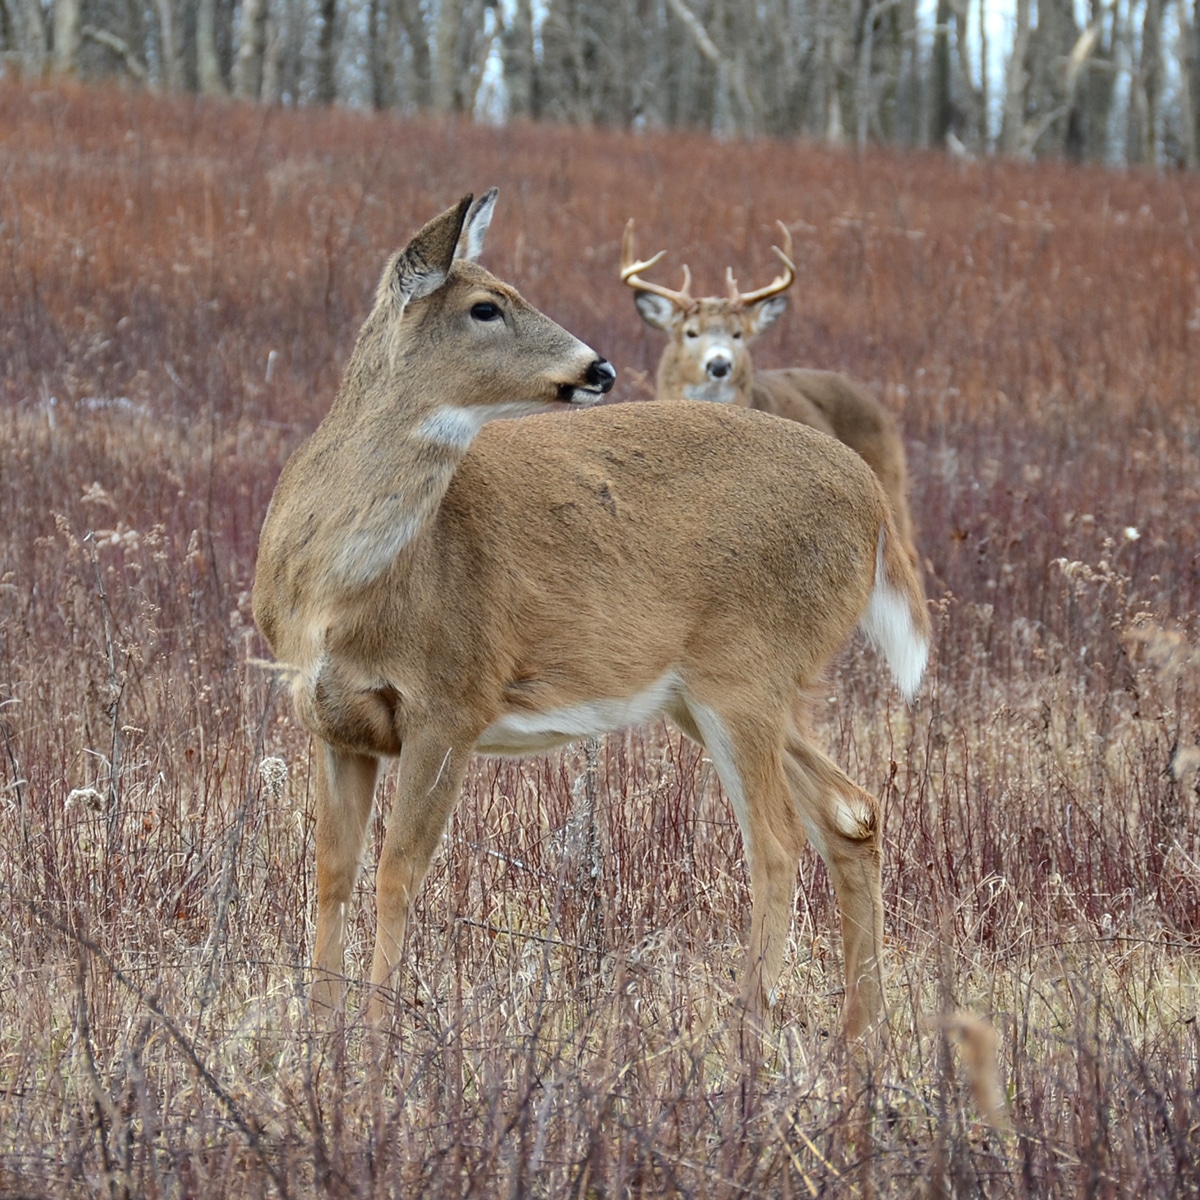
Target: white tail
889, 623
437, 583
707, 357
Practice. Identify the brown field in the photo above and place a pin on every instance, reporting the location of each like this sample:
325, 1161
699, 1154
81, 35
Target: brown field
181, 282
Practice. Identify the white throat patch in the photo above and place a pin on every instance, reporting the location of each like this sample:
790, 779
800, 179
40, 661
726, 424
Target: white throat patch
717, 391
458, 427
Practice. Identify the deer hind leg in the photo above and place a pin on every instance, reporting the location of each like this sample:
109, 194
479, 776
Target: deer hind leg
842, 822
430, 778
345, 791
748, 761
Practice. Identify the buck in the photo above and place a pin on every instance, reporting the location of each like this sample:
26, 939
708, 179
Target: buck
708, 358
435, 582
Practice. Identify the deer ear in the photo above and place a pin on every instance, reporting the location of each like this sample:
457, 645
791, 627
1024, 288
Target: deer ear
761, 316
470, 240
422, 266
657, 311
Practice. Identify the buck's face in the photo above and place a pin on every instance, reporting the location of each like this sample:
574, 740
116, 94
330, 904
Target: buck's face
708, 356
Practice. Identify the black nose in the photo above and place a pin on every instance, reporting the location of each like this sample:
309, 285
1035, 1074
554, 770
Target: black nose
601, 375
718, 368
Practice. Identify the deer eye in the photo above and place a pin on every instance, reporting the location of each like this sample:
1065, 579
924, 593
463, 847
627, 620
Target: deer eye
737, 335
692, 333
485, 310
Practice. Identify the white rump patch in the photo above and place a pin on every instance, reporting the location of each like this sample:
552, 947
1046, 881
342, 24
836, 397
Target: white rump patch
458, 427
888, 623
525, 732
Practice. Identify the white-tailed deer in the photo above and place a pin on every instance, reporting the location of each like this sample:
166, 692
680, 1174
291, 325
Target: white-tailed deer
708, 358
436, 585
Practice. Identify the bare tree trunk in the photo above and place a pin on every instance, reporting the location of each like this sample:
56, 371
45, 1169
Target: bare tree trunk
520, 64
449, 20
985, 81
283, 59
416, 30
382, 19
1016, 84
1047, 110
708, 51
252, 44
1188, 52
459, 56
734, 111
969, 109
941, 106
745, 109
208, 62
867, 96
1090, 84
1142, 140
28, 30
326, 77
169, 40
832, 54
1193, 75
66, 36
896, 105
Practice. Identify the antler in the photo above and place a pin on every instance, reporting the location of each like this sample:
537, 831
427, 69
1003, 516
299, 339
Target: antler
631, 274
780, 283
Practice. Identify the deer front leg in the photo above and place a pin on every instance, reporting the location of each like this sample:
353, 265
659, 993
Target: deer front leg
345, 791
430, 778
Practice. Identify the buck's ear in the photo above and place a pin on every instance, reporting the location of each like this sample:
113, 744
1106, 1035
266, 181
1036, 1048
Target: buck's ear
422, 266
761, 316
656, 310
479, 217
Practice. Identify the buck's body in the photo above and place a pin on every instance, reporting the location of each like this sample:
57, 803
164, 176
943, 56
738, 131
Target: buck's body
436, 585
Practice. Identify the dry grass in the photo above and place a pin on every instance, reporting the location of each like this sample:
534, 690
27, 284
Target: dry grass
179, 286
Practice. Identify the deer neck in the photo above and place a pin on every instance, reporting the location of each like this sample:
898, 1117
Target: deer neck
401, 459
374, 473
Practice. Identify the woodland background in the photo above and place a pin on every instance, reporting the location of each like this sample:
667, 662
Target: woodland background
1094, 80
181, 281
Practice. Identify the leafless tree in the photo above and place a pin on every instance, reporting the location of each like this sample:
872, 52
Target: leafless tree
1146, 90
67, 24
845, 71
252, 46
325, 90
209, 76
1188, 55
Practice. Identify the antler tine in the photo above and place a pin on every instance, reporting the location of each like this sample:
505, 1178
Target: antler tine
779, 284
631, 271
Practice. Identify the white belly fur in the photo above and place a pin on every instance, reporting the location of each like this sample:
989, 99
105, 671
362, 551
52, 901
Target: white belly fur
531, 733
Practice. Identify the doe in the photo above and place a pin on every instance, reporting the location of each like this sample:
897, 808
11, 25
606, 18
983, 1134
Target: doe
438, 583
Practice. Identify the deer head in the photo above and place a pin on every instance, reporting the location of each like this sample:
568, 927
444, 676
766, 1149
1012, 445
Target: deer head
707, 357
